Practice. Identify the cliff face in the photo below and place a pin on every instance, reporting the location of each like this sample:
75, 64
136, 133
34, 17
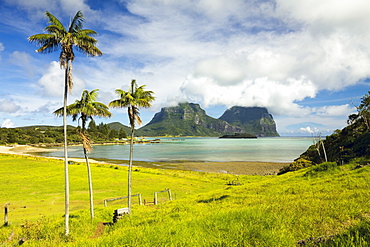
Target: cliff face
187, 119
253, 120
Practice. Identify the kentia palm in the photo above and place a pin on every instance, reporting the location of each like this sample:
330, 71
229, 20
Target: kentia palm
57, 37
133, 99
86, 108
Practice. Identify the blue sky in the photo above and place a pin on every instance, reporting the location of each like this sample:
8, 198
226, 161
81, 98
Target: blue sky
307, 62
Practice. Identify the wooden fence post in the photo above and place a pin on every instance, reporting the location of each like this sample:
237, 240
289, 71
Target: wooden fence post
140, 199
6, 214
155, 198
169, 194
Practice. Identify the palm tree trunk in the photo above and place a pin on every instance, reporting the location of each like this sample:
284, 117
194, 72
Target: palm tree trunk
130, 169
90, 184
66, 176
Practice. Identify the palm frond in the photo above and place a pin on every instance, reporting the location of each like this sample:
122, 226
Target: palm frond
77, 22
49, 47
133, 99
56, 31
86, 142
58, 112
53, 20
86, 107
86, 32
90, 51
41, 39
47, 42
57, 37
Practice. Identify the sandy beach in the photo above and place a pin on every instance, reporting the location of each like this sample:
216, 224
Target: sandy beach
239, 167
28, 150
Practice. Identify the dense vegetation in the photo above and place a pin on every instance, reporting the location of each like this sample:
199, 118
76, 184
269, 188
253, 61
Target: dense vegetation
324, 203
54, 135
350, 143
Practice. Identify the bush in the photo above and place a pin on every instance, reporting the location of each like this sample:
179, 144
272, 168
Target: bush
298, 164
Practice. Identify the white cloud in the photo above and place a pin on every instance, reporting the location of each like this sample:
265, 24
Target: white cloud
7, 123
72, 6
24, 61
48, 108
279, 97
216, 52
309, 130
40, 6
326, 16
20, 58
231, 56
225, 70
52, 82
9, 106
335, 110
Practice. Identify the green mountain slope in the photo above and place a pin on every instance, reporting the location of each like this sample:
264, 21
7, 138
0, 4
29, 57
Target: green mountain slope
343, 146
118, 126
186, 119
253, 120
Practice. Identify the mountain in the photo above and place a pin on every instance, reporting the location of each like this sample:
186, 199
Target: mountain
253, 120
186, 119
118, 126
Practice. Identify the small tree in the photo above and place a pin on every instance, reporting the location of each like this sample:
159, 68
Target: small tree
318, 142
134, 98
363, 112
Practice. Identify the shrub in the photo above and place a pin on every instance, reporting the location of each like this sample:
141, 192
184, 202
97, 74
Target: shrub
298, 164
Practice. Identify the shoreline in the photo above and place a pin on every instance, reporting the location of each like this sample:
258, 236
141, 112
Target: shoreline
229, 167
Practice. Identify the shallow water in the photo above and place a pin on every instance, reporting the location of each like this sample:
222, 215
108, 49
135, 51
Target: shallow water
267, 149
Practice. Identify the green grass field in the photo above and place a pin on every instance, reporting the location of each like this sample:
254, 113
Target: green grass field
322, 201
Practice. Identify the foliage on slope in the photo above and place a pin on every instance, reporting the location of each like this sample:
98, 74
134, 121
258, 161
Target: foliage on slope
352, 142
54, 135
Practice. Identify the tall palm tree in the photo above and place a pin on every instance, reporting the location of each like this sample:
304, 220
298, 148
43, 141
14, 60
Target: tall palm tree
134, 98
57, 37
86, 108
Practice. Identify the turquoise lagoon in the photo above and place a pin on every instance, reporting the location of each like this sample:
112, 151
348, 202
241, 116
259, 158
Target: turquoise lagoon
266, 149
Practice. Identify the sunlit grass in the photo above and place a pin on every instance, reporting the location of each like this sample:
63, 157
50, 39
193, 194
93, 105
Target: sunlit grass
324, 200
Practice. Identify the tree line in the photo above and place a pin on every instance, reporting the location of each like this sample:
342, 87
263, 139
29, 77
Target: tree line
52, 135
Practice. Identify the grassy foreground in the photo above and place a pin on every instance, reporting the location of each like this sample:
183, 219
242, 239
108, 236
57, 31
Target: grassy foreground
324, 201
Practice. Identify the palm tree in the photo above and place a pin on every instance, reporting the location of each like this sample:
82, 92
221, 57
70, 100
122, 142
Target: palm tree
133, 99
57, 37
85, 109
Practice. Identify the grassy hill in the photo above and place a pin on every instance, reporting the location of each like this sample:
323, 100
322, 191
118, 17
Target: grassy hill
327, 201
118, 126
